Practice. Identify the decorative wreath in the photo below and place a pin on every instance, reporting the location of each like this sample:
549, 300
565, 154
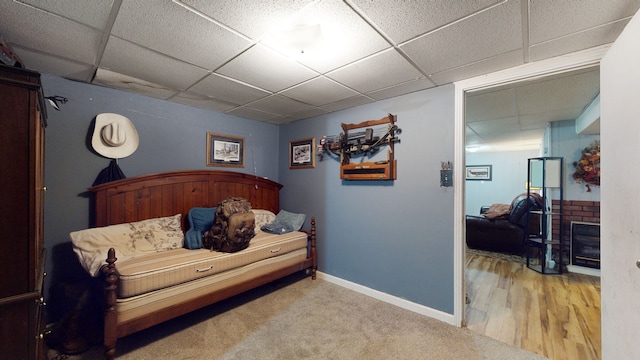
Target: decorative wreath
588, 167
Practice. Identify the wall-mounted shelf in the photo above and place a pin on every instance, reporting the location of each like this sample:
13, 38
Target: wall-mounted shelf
378, 170
369, 171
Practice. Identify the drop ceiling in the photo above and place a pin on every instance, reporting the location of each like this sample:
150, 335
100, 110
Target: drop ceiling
513, 116
222, 55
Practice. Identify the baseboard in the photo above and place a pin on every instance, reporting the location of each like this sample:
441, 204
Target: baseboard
583, 270
393, 300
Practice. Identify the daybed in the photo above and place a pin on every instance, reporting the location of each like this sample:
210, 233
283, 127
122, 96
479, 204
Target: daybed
156, 278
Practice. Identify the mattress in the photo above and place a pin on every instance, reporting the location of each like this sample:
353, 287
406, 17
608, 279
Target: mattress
161, 270
144, 304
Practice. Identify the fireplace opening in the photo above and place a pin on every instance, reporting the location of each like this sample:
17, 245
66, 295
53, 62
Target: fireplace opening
585, 244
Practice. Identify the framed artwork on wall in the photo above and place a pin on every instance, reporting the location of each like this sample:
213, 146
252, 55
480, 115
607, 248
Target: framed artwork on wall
478, 172
302, 153
225, 150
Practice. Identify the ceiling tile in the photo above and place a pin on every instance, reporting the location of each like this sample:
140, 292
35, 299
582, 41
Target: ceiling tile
513, 145
401, 89
249, 113
404, 20
550, 19
487, 34
122, 57
540, 119
490, 105
494, 137
494, 126
482, 67
348, 103
175, 31
127, 83
319, 91
266, 69
48, 33
578, 89
579, 41
91, 13
220, 87
391, 69
305, 114
533, 135
536, 101
55, 65
256, 17
277, 120
201, 101
279, 105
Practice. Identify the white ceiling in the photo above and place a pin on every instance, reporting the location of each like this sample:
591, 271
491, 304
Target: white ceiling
221, 55
513, 116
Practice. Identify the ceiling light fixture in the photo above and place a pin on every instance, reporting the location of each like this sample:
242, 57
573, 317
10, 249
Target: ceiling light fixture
56, 100
299, 39
477, 148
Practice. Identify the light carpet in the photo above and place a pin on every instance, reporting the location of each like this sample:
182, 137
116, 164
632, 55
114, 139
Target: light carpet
297, 318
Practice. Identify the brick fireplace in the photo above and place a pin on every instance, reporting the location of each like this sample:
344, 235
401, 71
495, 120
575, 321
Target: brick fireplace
574, 211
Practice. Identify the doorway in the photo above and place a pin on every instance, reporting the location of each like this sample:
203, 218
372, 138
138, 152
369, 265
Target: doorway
577, 61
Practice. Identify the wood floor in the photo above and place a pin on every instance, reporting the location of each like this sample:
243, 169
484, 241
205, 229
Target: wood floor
557, 316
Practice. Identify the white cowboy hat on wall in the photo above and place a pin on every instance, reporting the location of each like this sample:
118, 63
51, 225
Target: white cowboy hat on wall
114, 136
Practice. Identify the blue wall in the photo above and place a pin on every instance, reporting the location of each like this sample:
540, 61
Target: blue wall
172, 137
392, 236
509, 175
565, 142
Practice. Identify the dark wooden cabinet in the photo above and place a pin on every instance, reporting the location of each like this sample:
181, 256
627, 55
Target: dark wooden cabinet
22, 253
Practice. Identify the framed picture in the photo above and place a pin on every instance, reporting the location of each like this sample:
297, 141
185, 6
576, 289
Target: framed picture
302, 154
478, 172
225, 150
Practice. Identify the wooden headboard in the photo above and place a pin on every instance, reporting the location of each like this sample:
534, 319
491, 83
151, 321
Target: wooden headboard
170, 193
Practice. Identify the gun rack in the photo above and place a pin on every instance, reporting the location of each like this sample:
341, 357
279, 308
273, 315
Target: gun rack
378, 170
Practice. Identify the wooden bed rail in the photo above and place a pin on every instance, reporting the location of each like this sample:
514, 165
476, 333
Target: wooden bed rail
111, 295
314, 256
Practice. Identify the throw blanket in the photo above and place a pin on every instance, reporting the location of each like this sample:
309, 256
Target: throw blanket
500, 211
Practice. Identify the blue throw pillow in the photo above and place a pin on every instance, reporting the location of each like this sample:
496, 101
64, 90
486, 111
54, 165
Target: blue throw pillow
200, 220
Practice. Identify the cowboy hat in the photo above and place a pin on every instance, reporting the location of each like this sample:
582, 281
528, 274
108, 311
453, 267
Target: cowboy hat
114, 136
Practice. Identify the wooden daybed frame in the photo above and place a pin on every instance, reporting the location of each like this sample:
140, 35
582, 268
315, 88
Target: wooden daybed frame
170, 193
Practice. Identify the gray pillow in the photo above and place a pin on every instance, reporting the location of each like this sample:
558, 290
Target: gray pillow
293, 220
276, 228
285, 222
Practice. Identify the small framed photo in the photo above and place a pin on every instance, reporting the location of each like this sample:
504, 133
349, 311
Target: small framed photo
302, 153
478, 172
225, 150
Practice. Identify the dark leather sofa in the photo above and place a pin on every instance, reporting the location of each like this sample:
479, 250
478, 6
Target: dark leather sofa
506, 234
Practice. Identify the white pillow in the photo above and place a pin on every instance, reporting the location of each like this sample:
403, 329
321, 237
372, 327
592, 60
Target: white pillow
129, 240
263, 217
163, 233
